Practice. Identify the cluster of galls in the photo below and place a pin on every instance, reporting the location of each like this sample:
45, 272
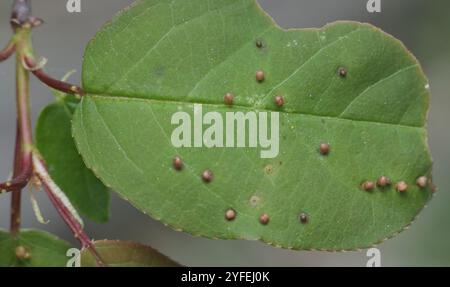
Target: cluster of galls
231, 214
401, 186
324, 149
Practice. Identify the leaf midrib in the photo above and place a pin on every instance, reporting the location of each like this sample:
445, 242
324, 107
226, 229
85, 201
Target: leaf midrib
249, 108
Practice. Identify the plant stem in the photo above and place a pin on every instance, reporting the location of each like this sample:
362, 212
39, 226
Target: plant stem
7, 51
52, 82
24, 138
64, 208
25, 161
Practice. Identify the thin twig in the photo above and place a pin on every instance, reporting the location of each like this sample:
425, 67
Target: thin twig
63, 207
26, 161
18, 182
62, 86
24, 137
7, 51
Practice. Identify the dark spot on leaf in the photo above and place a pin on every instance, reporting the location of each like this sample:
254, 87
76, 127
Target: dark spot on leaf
268, 169
342, 72
159, 71
259, 43
303, 218
255, 200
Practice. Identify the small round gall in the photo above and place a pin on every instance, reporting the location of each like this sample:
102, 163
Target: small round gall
324, 149
230, 214
383, 181
303, 218
279, 101
207, 176
177, 163
401, 186
260, 76
422, 182
342, 72
368, 185
264, 219
228, 99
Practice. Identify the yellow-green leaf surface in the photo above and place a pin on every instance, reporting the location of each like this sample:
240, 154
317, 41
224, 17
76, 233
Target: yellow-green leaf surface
126, 254
54, 141
347, 84
32, 248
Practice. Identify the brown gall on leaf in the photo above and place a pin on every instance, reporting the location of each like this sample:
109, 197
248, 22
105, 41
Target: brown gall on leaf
177, 163
342, 72
401, 186
260, 76
383, 181
230, 214
303, 218
279, 101
264, 219
207, 176
324, 149
228, 99
368, 185
422, 182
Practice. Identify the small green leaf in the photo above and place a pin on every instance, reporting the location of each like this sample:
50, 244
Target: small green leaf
347, 84
54, 141
32, 248
126, 254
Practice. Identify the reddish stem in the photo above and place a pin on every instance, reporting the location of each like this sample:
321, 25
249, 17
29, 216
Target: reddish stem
49, 186
7, 51
49, 81
24, 161
24, 142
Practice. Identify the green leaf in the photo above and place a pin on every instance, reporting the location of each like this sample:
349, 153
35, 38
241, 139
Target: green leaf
32, 248
54, 140
347, 84
126, 254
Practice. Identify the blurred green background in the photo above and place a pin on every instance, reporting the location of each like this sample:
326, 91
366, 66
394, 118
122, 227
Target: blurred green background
424, 26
